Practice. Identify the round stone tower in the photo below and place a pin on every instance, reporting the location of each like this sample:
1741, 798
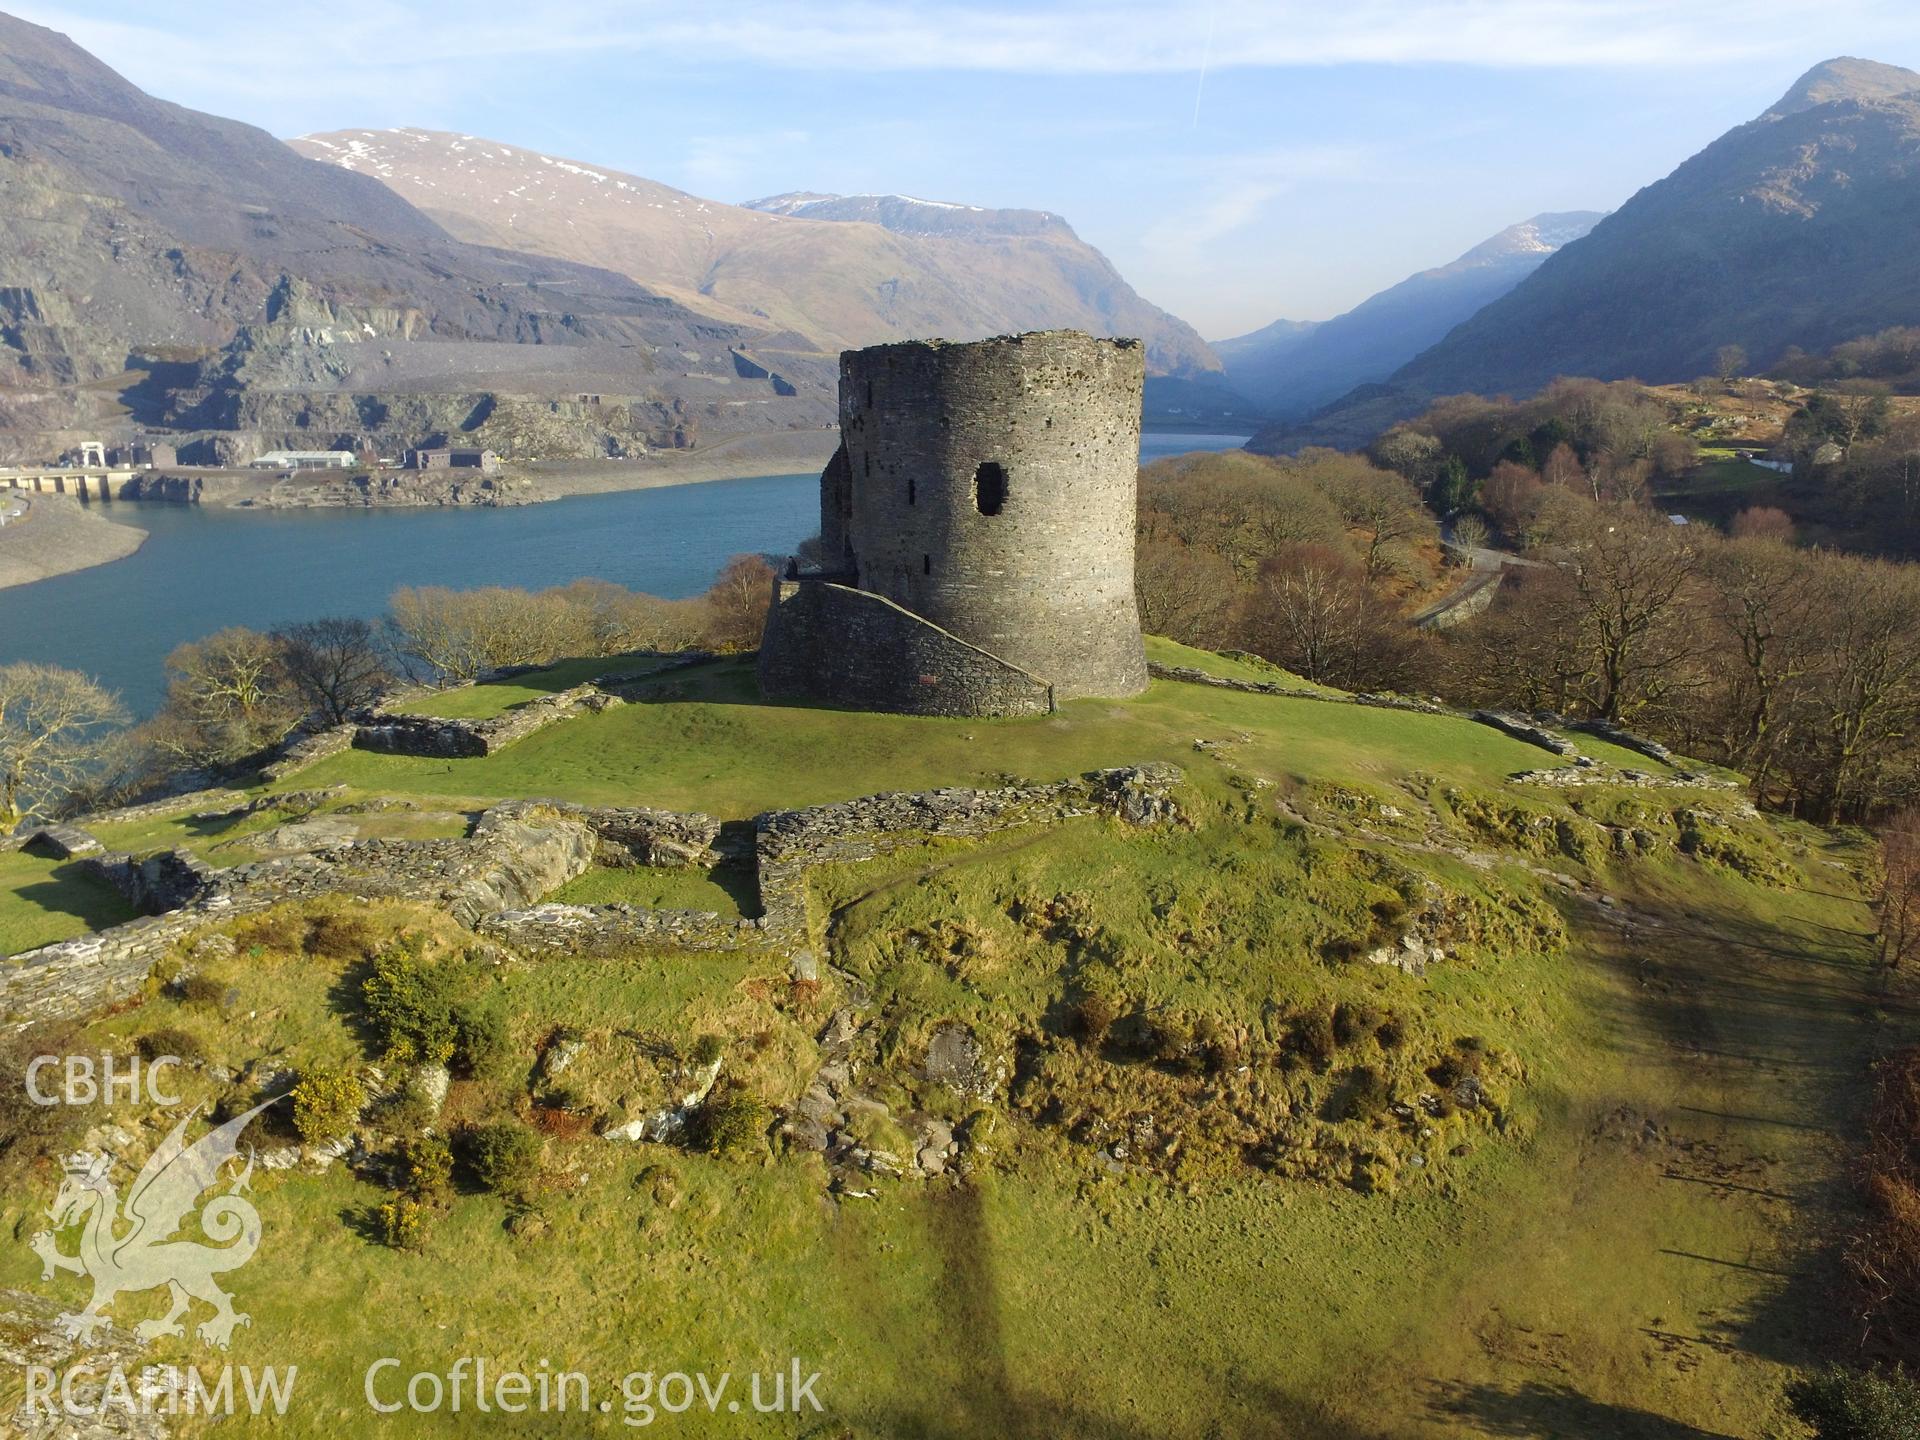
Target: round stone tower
990, 487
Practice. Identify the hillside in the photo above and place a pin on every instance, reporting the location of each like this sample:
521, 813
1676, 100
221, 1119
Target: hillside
842, 271
192, 273
1289, 370
1390, 1059
1790, 230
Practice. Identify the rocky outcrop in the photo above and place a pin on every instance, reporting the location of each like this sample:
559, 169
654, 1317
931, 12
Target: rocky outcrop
157, 884
515, 855
1626, 739
397, 489
166, 807
635, 835
788, 843
307, 748
92, 1409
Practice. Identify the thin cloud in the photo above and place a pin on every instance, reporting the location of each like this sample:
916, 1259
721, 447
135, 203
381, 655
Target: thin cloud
355, 42
1237, 190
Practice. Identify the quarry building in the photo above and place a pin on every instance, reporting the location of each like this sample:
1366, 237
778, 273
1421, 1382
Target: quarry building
976, 532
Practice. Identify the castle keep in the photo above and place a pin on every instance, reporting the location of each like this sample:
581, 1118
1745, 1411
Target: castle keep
977, 532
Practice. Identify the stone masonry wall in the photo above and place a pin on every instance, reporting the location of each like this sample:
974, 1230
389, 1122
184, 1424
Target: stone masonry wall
1032, 561
831, 642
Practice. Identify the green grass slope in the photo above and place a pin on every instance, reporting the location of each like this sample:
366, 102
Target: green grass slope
1249, 1206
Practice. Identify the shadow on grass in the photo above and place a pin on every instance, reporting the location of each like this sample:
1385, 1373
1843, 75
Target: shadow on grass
347, 998
975, 1395
742, 884
1541, 1408
1768, 1021
71, 891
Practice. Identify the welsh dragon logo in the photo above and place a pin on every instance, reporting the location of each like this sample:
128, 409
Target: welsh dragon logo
132, 1247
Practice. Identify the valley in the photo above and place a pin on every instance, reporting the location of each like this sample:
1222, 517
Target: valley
614, 800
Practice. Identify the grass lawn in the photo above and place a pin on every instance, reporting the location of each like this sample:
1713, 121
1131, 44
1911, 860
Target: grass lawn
1634, 1252
481, 702
43, 901
724, 890
709, 743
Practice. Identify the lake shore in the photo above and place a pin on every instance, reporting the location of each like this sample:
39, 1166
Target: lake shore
55, 535
739, 457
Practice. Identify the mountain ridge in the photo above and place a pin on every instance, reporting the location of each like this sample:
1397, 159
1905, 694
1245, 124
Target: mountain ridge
1792, 229
191, 273
1291, 371
845, 271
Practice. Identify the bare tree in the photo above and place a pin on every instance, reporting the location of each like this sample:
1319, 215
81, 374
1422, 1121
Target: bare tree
1762, 522
1898, 903
738, 602
1729, 363
1563, 468
1312, 611
1184, 593
1855, 714
1384, 508
1760, 603
336, 665
227, 696
1631, 573
1511, 495
51, 724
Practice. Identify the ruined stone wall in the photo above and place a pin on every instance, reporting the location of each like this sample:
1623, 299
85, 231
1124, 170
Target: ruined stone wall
1031, 559
395, 734
614, 929
831, 642
496, 880
789, 843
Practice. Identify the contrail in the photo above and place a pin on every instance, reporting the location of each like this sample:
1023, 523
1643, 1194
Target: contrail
1206, 58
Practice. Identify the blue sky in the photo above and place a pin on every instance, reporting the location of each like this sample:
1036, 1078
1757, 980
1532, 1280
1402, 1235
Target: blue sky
1237, 161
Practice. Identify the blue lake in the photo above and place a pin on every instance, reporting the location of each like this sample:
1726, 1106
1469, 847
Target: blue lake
205, 568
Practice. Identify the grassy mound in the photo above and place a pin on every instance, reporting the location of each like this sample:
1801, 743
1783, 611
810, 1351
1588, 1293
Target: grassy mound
1379, 1097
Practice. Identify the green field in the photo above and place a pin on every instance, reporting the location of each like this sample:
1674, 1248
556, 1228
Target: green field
1627, 1237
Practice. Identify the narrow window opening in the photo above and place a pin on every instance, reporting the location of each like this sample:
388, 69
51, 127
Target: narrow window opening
869, 394
990, 487
926, 564
912, 490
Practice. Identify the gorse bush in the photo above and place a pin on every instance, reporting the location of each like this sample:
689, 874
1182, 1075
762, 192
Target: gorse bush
1092, 1016
402, 1223
170, 1040
327, 1105
200, 989
504, 1157
480, 1040
419, 1014
410, 1004
730, 1121
1842, 1404
428, 1161
1365, 1095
